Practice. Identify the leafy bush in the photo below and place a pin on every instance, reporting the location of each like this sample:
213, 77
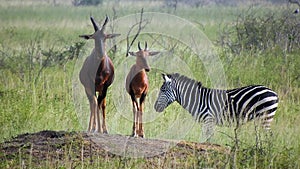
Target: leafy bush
35, 59
86, 2
259, 32
61, 56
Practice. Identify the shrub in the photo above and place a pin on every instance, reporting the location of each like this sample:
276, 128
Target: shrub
86, 2
260, 32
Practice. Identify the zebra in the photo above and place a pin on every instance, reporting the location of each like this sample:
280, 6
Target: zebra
215, 106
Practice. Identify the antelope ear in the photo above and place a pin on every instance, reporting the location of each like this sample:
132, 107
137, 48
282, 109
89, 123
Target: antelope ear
108, 36
166, 78
153, 53
132, 53
86, 36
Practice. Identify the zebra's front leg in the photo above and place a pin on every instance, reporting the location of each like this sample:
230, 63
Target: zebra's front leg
208, 129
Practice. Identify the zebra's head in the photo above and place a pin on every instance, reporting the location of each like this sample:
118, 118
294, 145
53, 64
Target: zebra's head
166, 94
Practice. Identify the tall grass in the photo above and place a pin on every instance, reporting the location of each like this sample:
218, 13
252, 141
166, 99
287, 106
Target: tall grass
27, 105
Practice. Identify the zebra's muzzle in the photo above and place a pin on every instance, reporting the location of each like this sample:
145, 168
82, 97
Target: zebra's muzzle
158, 108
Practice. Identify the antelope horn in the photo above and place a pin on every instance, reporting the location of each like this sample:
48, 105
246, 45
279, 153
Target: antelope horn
139, 46
105, 22
94, 24
146, 46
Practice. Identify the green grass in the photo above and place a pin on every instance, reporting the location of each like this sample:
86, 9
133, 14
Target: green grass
28, 31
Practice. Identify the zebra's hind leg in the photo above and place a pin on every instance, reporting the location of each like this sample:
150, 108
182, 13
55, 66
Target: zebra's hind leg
208, 129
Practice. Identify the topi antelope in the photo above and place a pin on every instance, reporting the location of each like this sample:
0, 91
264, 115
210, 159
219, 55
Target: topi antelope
96, 75
137, 86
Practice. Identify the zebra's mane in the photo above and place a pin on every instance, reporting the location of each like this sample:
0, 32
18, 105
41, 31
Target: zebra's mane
179, 77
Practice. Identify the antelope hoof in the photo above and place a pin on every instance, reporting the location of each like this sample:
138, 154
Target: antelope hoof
134, 135
105, 132
91, 131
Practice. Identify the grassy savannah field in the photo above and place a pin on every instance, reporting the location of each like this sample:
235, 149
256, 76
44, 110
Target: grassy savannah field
41, 54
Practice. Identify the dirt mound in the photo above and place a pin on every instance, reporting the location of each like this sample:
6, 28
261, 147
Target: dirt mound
59, 147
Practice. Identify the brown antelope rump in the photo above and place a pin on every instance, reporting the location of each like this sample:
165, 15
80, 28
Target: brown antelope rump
96, 75
137, 86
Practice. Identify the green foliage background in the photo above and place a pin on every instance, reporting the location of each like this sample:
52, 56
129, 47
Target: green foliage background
36, 73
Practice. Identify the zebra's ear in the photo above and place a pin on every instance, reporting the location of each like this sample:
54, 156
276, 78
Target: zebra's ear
166, 78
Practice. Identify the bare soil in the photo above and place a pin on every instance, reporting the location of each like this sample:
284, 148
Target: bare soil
54, 146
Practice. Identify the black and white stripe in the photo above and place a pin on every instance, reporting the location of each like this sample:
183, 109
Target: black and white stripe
215, 106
